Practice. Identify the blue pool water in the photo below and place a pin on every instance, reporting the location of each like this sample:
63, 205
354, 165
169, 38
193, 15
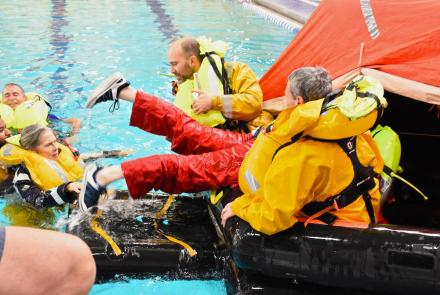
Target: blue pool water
160, 287
62, 49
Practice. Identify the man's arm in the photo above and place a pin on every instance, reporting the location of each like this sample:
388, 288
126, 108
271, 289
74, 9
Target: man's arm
246, 102
74, 122
76, 125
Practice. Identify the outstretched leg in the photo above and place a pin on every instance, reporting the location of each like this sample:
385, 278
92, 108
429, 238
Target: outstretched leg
186, 135
190, 173
157, 116
170, 173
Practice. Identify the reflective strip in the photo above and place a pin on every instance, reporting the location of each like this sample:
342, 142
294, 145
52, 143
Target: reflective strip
370, 21
251, 181
54, 194
57, 170
21, 176
7, 150
213, 85
227, 105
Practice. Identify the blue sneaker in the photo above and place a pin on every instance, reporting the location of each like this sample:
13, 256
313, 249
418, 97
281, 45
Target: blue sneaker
91, 190
108, 90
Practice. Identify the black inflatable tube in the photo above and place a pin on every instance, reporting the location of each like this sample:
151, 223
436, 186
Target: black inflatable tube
394, 259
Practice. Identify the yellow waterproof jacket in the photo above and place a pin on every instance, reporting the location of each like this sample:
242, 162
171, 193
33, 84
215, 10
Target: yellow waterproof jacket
246, 101
45, 173
275, 190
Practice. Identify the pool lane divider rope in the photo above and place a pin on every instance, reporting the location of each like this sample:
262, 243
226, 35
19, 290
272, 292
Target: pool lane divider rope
273, 17
159, 215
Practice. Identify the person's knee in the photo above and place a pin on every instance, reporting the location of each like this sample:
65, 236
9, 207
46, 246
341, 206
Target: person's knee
45, 262
83, 265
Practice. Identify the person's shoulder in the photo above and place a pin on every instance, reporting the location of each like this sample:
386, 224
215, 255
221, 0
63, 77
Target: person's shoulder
238, 68
237, 64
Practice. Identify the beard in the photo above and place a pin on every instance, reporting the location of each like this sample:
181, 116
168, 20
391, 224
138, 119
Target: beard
186, 73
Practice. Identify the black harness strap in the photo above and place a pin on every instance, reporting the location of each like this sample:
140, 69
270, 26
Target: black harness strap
292, 141
229, 124
379, 106
328, 98
45, 101
223, 76
236, 125
362, 182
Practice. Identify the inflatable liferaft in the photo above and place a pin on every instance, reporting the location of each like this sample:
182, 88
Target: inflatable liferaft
398, 259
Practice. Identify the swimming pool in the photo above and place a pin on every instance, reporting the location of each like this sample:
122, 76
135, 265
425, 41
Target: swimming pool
62, 49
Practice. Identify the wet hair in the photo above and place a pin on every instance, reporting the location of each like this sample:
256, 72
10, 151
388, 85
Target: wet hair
30, 136
310, 83
13, 84
189, 46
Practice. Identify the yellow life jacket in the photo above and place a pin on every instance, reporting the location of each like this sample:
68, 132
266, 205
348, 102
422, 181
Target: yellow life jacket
34, 110
318, 119
4, 173
206, 80
24, 214
45, 173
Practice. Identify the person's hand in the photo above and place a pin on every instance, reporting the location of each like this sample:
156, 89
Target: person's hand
74, 187
227, 213
76, 124
202, 104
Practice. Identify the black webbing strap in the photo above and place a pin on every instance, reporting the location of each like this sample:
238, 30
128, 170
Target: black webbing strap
387, 170
369, 205
226, 88
223, 76
234, 125
362, 182
328, 98
45, 101
292, 141
379, 105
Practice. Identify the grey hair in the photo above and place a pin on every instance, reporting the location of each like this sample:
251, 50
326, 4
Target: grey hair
310, 83
30, 136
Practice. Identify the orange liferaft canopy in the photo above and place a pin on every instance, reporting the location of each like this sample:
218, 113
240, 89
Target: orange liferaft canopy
396, 41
